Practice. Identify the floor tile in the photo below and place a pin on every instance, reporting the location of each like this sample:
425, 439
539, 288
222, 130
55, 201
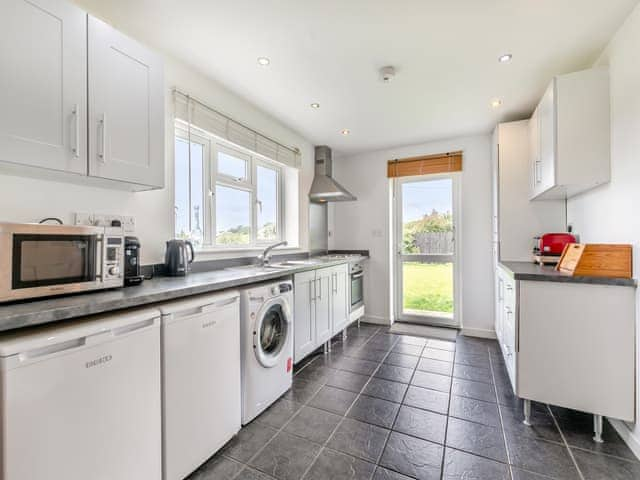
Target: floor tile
334, 400
279, 413
401, 360
250, 474
542, 425
248, 441
465, 466
477, 390
347, 381
371, 354
382, 342
359, 439
286, 457
216, 468
411, 340
396, 374
408, 349
578, 431
519, 474
315, 372
432, 381
385, 389
476, 438
441, 344
374, 410
435, 366
473, 359
602, 467
313, 424
355, 365
386, 474
476, 374
540, 456
473, 410
421, 423
427, 399
413, 457
437, 354
303, 390
334, 465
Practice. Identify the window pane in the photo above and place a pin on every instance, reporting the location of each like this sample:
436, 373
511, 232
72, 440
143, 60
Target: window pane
267, 203
232, 166
189, 191
233, 216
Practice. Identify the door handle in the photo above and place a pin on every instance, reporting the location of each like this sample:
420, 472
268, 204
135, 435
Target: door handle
102, 126
76, 131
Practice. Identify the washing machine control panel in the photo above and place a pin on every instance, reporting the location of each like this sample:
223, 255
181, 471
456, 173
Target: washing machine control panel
282, 288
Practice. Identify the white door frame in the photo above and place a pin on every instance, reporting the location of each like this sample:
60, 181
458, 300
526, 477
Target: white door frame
396, 252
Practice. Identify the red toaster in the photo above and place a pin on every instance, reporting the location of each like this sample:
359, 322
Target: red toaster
554, 243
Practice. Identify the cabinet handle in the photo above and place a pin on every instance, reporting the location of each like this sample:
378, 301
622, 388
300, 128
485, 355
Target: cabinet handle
76, 131
319, 282
312, 287
538, 171
509, 287
102, 126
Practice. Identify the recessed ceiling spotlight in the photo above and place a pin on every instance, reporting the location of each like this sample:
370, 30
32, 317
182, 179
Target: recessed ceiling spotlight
345, 131
315, 105
505, 58
264, 61
496, 102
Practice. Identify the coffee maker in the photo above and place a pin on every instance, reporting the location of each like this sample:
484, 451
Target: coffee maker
132, 269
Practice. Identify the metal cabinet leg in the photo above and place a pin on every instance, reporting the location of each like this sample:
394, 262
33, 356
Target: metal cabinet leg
329, 345
597, 428
325, 348
344, 334
358, 323
527, 413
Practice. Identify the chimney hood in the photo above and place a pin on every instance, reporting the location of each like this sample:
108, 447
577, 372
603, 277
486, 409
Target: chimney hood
324, 188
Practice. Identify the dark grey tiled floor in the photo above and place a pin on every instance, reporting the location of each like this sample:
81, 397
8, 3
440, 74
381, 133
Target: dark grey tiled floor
392, 407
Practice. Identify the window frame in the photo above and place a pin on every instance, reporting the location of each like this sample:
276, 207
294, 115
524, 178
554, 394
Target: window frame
212, 145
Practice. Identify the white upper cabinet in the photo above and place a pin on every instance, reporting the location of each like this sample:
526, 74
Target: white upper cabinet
570, 136
43, 85
126, 108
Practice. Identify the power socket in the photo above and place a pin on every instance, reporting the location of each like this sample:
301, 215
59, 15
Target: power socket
129, 224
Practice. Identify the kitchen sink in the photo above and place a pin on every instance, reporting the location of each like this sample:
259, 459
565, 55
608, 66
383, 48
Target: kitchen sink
259, 268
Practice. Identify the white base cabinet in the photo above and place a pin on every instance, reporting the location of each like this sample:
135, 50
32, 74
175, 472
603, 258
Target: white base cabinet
320, 308
569, 344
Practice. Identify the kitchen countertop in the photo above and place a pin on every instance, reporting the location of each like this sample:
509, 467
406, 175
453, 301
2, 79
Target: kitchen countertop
534, 272
159, 289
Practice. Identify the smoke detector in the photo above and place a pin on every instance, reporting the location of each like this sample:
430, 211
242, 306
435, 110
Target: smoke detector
387, 74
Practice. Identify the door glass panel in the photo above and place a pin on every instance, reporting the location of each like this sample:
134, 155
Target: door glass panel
272, 331
356, 291
188, 208
427, 249
267, 203
233, 216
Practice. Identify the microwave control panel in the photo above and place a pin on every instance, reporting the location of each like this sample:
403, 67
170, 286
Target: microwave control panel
113, 257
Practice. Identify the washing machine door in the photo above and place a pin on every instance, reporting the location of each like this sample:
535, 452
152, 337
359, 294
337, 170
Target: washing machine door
272, 329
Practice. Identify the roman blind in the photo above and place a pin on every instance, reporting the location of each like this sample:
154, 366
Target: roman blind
425, 165
196, 113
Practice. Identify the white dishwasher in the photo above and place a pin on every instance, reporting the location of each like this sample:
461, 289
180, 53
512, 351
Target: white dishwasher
201, 379
82, 400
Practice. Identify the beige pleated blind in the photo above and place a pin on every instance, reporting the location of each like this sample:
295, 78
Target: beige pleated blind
199, 115
425, 165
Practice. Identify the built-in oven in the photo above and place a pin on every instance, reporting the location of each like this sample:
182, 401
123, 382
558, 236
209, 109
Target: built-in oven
41, 260
357, 286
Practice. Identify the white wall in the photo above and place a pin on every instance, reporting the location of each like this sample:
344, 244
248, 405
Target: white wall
28, 200
364, 224
610, 213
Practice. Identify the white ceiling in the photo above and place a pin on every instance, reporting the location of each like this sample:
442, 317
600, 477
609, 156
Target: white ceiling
328, 51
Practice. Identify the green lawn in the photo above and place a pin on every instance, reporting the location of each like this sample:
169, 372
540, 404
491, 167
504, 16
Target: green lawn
428, 287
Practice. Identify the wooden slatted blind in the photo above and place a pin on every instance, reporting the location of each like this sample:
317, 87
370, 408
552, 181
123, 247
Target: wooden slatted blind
425, 165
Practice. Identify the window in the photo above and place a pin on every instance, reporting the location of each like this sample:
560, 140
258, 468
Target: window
226, 196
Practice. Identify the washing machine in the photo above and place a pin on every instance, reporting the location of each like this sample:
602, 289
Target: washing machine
266, 336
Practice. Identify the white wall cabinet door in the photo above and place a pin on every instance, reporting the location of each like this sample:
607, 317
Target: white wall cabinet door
534, 154
304, 331
43, 85
126, 108
323, 305
547, 131
339, 298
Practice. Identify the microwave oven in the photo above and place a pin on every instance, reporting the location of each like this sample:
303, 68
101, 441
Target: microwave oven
38, 260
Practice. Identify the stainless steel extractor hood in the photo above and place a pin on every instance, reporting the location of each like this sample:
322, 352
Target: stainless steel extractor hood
324, 188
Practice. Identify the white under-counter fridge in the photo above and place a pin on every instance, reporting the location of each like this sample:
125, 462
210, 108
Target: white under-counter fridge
81, 400
201, 379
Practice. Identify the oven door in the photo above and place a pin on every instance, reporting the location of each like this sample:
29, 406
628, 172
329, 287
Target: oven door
357, 290
49, 260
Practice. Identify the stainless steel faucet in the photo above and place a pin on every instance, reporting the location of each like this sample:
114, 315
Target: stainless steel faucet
265, 257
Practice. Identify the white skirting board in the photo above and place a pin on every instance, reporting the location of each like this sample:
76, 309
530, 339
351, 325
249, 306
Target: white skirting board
376, 319
478, 332
629, 438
